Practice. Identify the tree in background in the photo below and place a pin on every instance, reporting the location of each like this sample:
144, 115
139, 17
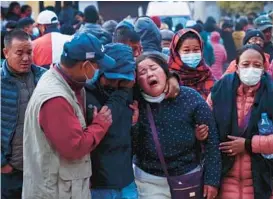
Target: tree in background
241, 7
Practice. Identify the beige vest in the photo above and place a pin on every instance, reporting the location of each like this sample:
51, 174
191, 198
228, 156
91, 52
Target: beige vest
46, 174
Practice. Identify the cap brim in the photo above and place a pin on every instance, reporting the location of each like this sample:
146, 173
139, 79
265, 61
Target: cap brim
128, 76
106, 63
264, 27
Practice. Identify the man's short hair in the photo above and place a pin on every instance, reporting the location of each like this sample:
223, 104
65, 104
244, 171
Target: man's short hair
15, 34
91, 14
24, 22
124, 34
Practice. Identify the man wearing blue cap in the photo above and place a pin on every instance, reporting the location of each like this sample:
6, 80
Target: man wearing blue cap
112, 160
125, 33
57, 140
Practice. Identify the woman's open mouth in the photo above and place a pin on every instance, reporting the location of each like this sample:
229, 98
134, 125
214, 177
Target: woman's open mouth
153, 83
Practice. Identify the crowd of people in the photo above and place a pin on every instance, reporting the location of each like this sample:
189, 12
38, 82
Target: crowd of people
127, 110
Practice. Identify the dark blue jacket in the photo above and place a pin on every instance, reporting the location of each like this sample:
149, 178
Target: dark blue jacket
175, 121
112, 159
10, 107
149, 34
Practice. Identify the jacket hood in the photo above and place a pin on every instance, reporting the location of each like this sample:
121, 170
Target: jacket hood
149, 34
181, 34
238, 34
175, 60
215, 37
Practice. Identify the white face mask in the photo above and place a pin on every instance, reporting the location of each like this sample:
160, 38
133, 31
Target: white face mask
151, 99
36, 32
250, 76
191, 59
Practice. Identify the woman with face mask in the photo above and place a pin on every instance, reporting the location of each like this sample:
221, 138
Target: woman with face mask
186, 58
239, 102
174, 121
253, 36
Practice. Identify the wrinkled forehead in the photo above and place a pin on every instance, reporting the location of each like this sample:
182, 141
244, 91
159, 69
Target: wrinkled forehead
20, 44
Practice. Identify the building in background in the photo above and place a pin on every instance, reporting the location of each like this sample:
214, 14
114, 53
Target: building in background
203, 9
119, 10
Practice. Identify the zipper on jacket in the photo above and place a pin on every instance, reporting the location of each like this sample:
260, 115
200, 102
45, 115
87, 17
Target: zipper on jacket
240, 155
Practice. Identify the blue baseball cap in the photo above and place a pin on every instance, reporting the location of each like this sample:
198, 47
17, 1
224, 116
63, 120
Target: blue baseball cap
85, 46
125, 63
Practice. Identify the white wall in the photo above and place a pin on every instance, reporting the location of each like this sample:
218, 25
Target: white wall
204, 9
84, 4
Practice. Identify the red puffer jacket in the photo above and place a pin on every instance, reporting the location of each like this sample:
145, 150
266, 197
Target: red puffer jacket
238, 183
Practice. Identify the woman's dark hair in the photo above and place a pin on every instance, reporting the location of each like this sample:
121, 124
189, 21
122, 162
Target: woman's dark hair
157, 58
24, 8
12, 6
248, 47
188, 35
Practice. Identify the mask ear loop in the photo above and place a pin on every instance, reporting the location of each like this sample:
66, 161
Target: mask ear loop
85, 71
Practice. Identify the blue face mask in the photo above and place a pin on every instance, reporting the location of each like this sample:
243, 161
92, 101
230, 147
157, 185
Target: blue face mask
166, 51
36, 32
192, 59
94, 78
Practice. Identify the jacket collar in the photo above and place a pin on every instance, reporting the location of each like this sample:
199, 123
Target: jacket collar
248, 90
6, 73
